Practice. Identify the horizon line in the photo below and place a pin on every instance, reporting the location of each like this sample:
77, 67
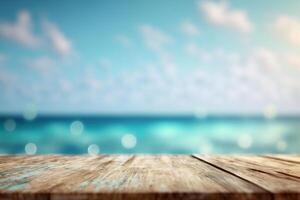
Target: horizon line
152, 115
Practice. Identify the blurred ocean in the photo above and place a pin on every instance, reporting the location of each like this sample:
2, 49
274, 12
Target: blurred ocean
128, 134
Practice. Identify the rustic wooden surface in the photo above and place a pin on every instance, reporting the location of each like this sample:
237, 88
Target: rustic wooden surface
149, 177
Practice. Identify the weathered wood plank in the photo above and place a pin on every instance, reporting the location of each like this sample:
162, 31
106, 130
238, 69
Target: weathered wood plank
290, 158
132, 177
279, 176
119, 177
168, 174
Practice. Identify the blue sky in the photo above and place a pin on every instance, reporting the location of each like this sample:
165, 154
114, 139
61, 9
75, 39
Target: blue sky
150, 56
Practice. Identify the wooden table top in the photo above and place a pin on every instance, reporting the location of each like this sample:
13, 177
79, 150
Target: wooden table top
149, 177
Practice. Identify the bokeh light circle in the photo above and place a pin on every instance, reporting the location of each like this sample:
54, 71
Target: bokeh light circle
270, 112
128, 141
30, 113
10, 125
93, 150
76, 128
30, 148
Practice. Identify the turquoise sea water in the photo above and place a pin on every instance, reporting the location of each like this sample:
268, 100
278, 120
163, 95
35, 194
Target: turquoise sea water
82, 134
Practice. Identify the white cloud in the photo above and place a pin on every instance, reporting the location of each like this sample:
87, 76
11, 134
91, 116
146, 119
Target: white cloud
91, 82
254, 78
293, 60
124, 40
42, 64
220, 14
20, 31
266, 58
58, 40
209, 57
154, 38
193, 50
157, 41
189, 29
288, 28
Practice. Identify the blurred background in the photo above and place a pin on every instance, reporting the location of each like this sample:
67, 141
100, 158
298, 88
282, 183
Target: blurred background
134, 76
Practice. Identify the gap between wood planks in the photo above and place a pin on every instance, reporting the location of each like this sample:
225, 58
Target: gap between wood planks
231, 173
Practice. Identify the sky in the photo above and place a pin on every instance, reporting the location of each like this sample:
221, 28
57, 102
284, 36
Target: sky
161, 57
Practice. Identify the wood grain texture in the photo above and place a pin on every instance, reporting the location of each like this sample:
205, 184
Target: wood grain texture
279, 175
290, 159
146, 177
